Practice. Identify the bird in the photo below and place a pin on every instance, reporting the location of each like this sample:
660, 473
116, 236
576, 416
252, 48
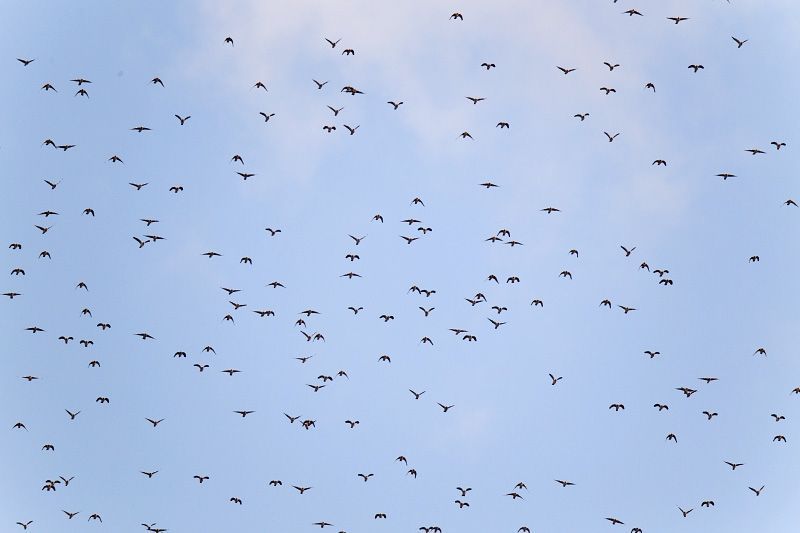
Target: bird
25, 62
608, 90
627, 252
677, 20
183, 119
566, 70
228, 40
445, 408
611, 137
320, 85
739, 42
395, 105
757, 492
581, 116
685, 513
696, 67
733, 465
610, 66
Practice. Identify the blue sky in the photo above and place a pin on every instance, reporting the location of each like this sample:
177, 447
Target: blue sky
509, 424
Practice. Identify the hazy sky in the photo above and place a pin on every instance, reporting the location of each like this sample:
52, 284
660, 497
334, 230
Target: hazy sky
509, 424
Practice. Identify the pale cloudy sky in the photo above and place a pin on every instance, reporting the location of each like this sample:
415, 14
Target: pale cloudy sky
509, 424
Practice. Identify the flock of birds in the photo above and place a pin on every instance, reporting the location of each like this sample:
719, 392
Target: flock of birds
414, 229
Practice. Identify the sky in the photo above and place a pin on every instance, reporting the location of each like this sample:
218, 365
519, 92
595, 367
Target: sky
509, 424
